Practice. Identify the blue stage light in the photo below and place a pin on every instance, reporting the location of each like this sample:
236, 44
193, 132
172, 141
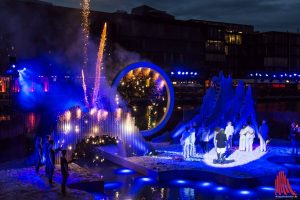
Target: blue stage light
274, 76
124, 171
24, 68
172, 73
179, 182
204, 184
295, 74
290, 75
112, 185
256, 74
266, 188
146, 179
195, 73
251, 74
179, 72
245, 192
186, 73
259, 74
281, 75
192, 73
220, 188
13, 66
267, 75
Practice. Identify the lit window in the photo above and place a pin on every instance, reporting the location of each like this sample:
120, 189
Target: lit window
233, 39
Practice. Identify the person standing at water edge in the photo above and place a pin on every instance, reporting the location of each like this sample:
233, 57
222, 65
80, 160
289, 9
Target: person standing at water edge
242, 142
221, 145
37, 154
250, 135
50, 161
45, 152
293, 137
64, 171
263, 135
229, 132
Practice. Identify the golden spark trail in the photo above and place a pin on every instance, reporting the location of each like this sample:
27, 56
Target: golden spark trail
99, 64
86, 30
84, 89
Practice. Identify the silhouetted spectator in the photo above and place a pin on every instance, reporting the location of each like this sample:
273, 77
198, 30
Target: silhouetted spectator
64, 171
293, 137
45, 150
50, 161
37, 154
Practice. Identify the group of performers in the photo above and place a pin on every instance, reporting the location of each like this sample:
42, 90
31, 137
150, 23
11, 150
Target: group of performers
222, 139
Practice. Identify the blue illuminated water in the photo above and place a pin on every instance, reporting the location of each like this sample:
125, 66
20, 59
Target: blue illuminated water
132, 185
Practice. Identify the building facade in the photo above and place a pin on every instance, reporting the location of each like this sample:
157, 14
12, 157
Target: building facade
52, 35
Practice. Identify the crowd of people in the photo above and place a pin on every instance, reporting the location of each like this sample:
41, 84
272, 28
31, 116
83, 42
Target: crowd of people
44, 154
222, 139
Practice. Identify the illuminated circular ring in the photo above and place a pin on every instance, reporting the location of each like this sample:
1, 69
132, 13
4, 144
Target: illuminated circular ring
170, 92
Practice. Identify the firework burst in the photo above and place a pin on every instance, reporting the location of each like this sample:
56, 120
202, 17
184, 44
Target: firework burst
85, 29
99, 64
84, 89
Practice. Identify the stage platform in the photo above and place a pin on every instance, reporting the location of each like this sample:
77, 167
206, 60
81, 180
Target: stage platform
242, 169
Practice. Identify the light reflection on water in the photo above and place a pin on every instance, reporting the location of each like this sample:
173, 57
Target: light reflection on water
137, 186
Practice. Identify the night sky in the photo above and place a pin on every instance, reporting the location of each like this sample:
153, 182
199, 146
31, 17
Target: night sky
265, 15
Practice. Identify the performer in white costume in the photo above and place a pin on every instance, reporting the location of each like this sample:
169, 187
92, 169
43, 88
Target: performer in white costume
263, 135
250, 135
242, 143
185, 142
192, 147
216, 131
229, 133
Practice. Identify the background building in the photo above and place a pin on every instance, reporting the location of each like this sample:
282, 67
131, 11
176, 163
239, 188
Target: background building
52, 36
